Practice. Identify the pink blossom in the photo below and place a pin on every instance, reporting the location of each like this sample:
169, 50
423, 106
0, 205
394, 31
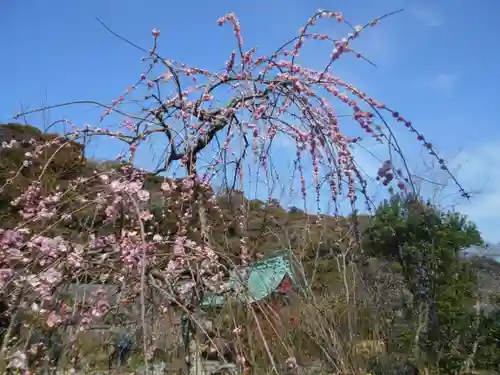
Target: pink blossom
101, 307
143, 195
53, 319
116, 186
146, 215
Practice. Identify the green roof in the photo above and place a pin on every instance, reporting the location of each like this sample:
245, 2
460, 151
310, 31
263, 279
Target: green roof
259, 279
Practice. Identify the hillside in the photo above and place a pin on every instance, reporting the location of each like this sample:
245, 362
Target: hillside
266, 220
270, 227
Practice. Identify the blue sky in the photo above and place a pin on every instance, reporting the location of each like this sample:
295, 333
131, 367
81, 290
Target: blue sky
436, 64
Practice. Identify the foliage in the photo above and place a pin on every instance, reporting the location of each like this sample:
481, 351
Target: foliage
488, 355
425, 241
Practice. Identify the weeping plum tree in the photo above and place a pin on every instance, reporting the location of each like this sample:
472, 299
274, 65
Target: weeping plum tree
268, 99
